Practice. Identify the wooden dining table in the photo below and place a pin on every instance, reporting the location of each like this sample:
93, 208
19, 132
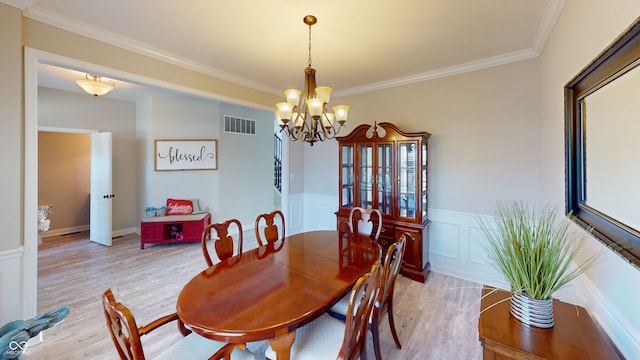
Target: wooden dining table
268, 292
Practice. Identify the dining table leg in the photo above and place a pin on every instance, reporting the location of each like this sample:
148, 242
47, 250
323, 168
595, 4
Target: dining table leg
282, 345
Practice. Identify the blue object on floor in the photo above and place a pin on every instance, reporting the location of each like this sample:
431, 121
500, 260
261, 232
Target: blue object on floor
15, 334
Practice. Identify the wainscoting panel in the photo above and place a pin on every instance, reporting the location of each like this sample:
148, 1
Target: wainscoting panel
11, 293
455, 249
448, 235
319, 212
295, 217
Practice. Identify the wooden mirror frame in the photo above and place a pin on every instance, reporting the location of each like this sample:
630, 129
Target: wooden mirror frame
617, 59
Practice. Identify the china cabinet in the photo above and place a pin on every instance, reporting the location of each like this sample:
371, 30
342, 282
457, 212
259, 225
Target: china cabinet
383, 167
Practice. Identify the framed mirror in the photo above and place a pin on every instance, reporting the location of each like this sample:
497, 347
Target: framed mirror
602, 155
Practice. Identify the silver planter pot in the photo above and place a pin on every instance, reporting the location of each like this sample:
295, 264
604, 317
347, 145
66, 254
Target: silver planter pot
534, 312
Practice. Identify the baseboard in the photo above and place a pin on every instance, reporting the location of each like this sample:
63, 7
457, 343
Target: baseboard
617, 326
75, 229
64, 231
121, 232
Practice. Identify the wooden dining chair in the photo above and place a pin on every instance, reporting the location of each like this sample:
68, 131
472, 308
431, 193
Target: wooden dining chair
268, 223
361, 220
126, 336
223, 240
329, 338
384, 298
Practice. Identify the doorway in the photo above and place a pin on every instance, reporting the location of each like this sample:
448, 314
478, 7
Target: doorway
32, 59
64, 170
73, 165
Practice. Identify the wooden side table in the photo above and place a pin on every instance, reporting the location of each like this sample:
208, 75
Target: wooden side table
575, 334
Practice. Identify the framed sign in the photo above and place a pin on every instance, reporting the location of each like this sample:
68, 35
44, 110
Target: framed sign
186, 155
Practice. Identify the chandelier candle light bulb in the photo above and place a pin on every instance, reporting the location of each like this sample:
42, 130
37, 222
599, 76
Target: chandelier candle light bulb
308, 108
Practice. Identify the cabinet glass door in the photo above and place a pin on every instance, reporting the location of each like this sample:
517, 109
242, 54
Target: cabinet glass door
423, 189
365, 172
346, 176
407, 155
384, 177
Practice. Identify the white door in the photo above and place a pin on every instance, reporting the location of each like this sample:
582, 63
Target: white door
101, 195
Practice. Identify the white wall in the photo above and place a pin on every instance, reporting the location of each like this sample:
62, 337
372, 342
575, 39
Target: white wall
246, 166
585, 27
241, 187
176, 117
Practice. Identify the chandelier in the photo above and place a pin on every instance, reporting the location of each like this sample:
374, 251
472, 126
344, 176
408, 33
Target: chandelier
93, 85
306, 117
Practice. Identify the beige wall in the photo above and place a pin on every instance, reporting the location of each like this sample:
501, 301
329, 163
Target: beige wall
11, 128
64, 178
485, 134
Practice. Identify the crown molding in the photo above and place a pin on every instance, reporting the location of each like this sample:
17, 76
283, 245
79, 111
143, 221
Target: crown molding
20, 4
546, 25
93, 32
440, 73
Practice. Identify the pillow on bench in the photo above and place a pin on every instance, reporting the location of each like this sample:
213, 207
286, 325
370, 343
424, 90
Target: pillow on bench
185, 207
179, 207
197, 209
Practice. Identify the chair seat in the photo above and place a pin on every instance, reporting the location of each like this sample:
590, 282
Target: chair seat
320, 339
196, 347
340, 308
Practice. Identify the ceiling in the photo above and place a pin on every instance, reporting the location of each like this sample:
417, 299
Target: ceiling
357, 45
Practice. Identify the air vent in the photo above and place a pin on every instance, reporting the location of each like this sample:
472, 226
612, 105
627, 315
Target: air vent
237, 125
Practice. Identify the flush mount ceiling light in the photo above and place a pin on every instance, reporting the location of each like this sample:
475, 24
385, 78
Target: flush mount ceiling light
93, 85
306, 118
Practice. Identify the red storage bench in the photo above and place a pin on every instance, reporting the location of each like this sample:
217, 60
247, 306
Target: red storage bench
173, 229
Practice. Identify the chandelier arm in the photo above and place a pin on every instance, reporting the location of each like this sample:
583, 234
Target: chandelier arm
332, 135
289, 134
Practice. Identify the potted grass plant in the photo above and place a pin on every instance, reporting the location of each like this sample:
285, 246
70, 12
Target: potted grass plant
535, 253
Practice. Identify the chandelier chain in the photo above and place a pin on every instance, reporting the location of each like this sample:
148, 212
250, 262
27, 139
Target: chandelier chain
309, 45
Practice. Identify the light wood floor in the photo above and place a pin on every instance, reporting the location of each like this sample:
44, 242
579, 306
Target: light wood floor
435, 320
